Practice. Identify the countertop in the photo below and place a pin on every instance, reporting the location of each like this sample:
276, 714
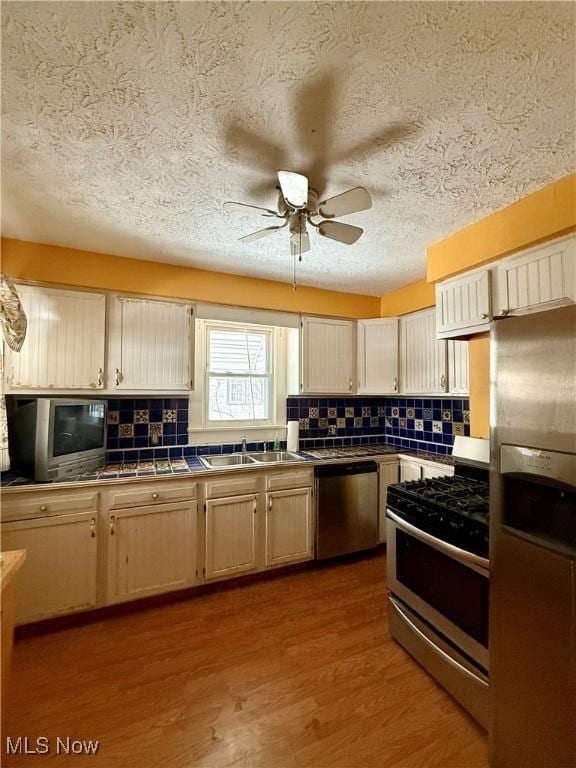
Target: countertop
10, 564
172, 468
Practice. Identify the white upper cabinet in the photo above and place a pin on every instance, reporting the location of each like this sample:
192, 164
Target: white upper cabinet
64, 345
378, 356
327, 348
463, 305
423, 358
150, 345
458, 367
536, 279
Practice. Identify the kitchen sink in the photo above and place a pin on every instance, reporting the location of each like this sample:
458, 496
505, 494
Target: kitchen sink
231, 460
272, 456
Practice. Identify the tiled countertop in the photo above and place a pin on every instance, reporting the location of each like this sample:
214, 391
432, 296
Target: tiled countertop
157, 469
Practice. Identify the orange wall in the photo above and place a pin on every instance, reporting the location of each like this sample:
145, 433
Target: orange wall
67, 266
411, 298
543, 215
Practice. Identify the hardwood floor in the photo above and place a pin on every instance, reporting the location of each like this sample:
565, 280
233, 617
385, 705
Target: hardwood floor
294, 672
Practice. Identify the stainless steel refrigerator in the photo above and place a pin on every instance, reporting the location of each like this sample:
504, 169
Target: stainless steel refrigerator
533, 541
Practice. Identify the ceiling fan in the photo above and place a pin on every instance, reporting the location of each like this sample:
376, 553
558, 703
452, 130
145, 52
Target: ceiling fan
299, 204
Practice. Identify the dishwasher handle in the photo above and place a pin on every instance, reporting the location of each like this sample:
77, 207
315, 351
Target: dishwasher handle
349, 468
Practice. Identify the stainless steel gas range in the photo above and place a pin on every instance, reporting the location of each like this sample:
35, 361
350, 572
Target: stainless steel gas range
438, 567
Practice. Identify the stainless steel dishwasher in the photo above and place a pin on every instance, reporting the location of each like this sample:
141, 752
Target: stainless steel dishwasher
346, 508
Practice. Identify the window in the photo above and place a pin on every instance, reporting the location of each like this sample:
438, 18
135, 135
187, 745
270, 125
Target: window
239, 380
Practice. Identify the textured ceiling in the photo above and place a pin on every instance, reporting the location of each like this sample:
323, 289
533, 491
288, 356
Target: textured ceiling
126, 125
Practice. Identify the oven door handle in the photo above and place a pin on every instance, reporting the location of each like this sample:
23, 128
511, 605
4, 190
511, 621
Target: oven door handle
437, 649
442, 546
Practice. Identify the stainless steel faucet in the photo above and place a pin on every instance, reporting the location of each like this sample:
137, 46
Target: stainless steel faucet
244, 445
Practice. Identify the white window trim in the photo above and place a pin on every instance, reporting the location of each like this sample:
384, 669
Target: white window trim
203, 432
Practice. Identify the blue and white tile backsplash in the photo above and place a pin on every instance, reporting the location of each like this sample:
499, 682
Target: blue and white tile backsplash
408, 422
157, 428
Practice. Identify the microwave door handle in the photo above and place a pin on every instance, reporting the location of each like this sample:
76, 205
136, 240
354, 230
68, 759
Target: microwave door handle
442, 546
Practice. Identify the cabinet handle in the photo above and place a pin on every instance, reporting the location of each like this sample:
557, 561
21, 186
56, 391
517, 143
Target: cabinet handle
350, 385
100, 377
112, 522
395, 383
503, 312
442, 382
270, 504
254, 507
118, 376
484, 315
43, 508
93, 528
155, 495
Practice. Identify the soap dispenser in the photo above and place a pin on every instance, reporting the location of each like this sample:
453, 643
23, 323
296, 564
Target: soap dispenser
276, 442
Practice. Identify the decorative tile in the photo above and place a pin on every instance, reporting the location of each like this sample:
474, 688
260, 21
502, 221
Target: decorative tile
457, 429
323, 423
126, 430
402, 423
341, 423
466, 415
410, 413
436, 426
366, 411
381, 410
349, 413
313, 413
169, 414
419, 425
358, 421
113, 417
141, 417
396, 412
332, 413
446, 415
427, 414
304, 423
388, 421
155, 428
373, 421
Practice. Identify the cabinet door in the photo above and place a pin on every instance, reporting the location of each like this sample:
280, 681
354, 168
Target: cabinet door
59, 573
64, 345
429, 472
151, 343
463, 305
388, 474
410, 470
536, 279
422, 356
230, 536
327, 355
289, 526
378, 356
458, 367
151, 549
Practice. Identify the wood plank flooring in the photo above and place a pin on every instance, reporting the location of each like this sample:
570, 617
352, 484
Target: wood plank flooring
294, 672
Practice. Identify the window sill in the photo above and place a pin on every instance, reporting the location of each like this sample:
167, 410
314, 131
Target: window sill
219, 435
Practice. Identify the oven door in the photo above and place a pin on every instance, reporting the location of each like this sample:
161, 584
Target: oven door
444, 585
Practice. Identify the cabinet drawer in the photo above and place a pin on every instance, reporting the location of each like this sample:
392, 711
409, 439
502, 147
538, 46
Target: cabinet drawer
231, 486
277, 481
152, 493
47, 504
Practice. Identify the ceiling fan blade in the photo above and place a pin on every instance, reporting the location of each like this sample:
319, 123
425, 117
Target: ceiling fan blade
335, 230
246, 208
352, 201
294, 188
260, 233
299, 243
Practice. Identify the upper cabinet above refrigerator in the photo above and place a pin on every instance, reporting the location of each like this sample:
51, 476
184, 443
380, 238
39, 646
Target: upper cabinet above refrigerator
537, 279
463, 305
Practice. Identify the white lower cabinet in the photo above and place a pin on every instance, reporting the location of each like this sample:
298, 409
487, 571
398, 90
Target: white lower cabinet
410, 470
231, 541
289, 527
414, 469
151, 549
59, 573
388, 474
